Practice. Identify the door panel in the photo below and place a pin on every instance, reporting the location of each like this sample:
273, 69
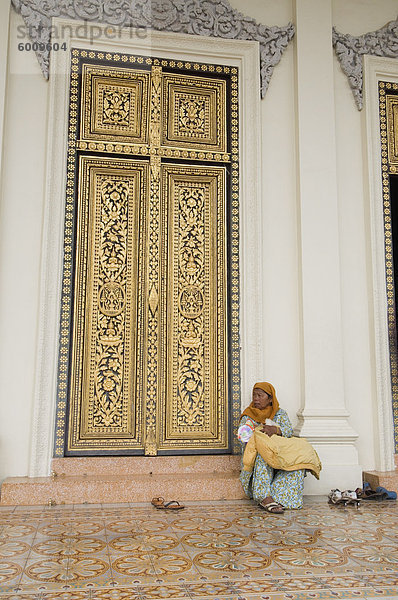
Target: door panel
108, 334
193, 114
194, 265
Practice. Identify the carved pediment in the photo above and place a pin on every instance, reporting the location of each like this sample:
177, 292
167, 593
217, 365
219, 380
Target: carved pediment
211, 18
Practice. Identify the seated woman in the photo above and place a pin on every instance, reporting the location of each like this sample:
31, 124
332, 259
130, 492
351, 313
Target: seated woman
272, 490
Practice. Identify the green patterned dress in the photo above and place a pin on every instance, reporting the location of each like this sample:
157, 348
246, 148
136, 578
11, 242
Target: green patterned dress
286, 487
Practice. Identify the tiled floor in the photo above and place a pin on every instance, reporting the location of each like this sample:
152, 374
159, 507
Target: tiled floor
227, 550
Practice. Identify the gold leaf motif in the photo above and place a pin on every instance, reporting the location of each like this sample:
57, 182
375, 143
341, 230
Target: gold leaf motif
192, 116
116, 107
153, 300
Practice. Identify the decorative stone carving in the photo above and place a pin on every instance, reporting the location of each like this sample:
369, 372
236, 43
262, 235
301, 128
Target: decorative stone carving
213, 18
350, 49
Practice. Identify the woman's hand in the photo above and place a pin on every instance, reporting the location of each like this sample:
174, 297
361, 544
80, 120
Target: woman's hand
270, 430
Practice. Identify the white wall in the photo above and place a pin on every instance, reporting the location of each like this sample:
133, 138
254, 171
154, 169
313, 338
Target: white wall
357, 18
281, 331
281, 325
22, 193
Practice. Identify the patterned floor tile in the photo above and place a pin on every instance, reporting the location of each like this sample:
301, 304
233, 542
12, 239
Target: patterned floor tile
142, 542
165, 590
41, 570
66, 595
385, 579
227, 561
121, 580
89, 569
285, 538
69, 527
261, 521
14, 549
214, 540
131, 526
10, 573
218, 551
115, 594
155, 564
308, 557
340, 537
198, 523
68, 546
379, 554
22, 530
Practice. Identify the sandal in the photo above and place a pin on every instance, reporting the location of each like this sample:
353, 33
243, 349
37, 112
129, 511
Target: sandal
350, 497
369, 494
272, 507
161, 505
335, 497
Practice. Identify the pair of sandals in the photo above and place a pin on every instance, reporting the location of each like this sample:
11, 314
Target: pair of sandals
345, 498
160, 504
380, 493
272, 507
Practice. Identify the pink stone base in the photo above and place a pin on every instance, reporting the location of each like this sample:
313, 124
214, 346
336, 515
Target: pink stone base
128, 479
112, 489
386, 479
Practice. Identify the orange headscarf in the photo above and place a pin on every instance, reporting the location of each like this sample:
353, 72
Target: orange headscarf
257, 414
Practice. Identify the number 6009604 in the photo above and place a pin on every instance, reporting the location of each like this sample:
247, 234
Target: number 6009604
35, 46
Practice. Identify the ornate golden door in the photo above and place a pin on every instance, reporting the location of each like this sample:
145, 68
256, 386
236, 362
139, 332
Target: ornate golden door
144, 364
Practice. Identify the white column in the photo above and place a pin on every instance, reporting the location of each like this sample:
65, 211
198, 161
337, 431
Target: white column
4, 29
323, 418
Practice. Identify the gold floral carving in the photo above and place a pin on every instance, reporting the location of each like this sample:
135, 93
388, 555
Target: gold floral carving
191, 116
116, 107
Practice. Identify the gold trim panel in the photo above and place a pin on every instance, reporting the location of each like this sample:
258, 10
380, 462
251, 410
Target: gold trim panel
388, 111
392, 128
114, 105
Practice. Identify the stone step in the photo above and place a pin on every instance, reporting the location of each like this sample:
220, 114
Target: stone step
121, 479
386, 479
145, 465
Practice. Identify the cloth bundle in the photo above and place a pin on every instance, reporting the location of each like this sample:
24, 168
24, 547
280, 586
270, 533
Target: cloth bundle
287, 454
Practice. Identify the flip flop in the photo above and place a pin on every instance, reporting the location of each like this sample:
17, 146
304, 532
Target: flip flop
157, 501
160, 504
